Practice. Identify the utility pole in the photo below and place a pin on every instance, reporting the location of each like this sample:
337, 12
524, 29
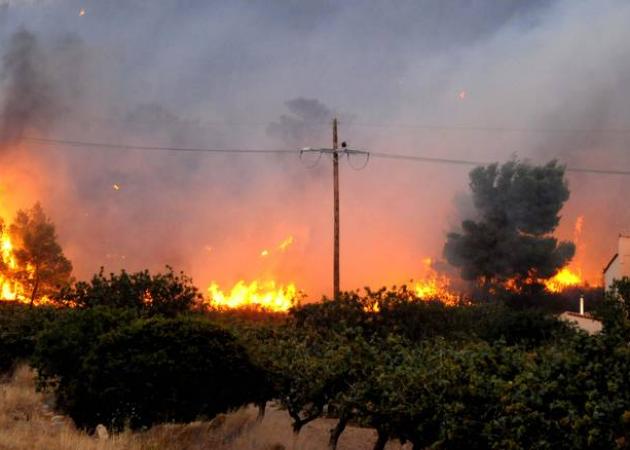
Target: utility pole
335, 152
335, 155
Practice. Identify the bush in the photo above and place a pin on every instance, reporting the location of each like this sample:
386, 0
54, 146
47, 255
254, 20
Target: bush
166, 294
147, 371
19, 326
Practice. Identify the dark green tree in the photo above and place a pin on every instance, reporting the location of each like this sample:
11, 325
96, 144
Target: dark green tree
518, 207
42, 267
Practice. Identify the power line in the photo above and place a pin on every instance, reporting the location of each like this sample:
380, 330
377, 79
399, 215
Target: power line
79, 144
482, 163
501, 129
348, 152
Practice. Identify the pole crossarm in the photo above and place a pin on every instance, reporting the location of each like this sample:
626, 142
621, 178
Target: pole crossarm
343, 151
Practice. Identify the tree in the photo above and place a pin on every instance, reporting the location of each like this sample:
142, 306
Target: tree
518, 207
42, 267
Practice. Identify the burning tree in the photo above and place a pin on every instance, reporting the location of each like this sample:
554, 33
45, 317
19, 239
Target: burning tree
510, 243
37, 263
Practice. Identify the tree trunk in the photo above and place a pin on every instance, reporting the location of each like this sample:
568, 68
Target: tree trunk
335, 433
296, 436
381, 440
35, 288
262, 406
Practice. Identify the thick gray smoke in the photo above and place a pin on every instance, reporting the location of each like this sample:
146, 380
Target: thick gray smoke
452, 79
28, 100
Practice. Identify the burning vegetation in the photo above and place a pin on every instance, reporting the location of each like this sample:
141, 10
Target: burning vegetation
33, 265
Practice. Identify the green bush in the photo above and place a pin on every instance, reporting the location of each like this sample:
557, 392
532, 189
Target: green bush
166, 294
146, 371
19, 326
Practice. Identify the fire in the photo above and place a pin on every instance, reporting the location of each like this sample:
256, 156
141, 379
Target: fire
264, 253
264, 295
435, 286
10, 289
565, 278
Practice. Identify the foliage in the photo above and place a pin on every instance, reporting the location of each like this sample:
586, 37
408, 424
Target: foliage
41, 265
518, 208
166, 294
484, 376
401, 313
19, 326
144, 372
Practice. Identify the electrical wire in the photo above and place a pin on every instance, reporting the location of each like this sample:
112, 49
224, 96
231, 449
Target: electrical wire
393, 156
482, 163
79, 144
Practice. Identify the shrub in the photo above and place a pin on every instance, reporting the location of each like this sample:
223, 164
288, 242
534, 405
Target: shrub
19, 326
165, 294
148, 371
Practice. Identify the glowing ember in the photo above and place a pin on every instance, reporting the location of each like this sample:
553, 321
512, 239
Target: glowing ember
565, 278
285, 244
265, 295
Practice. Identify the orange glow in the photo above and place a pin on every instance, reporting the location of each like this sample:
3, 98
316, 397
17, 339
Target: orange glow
264, 253
264, 295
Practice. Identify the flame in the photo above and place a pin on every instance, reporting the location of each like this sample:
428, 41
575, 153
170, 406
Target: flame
9, 288
565, 278
264, 253
265, 295
435, 286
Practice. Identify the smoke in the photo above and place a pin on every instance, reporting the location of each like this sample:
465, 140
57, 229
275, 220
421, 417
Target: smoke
28, 98
538, 76
304, 125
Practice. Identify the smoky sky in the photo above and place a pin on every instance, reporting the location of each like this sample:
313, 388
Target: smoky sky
481, 80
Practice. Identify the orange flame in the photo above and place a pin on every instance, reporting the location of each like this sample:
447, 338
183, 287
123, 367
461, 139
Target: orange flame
264, 295
435, 286
564, 279
10, 289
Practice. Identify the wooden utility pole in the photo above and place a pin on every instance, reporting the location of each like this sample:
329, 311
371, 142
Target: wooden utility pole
335, 155
335, 152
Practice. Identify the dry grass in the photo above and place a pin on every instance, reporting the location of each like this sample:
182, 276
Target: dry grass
26, 423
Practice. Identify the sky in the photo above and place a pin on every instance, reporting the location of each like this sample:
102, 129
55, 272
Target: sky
477, 80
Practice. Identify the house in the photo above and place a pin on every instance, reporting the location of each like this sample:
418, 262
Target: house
582, 321
619, 265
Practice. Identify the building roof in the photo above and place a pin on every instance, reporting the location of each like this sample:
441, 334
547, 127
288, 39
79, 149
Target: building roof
612, 260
